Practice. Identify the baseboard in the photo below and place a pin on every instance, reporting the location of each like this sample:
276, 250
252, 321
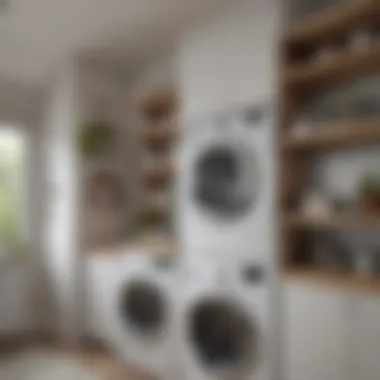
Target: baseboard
11, 342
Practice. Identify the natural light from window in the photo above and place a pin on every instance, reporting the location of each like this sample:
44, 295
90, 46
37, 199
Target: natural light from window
11, 167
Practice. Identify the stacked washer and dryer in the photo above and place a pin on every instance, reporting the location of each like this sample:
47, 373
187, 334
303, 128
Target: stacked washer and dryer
209, 315
226, 209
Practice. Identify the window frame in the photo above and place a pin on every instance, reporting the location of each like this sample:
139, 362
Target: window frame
9, 252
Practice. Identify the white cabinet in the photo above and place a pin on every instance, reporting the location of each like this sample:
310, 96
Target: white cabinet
101, 273
16, 297
367, 342
316, 333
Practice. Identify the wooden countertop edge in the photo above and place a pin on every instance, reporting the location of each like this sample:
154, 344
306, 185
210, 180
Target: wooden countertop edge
349, 282
160, 248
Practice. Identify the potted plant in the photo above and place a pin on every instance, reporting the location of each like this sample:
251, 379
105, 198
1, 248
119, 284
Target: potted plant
96, 138
141, 224
369, 193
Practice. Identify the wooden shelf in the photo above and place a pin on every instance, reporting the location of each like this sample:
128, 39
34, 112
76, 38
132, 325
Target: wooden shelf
302, 76
344, 281
158, 208
159, 103
158, 137
156, 246
336, 135
341, 220
159, 110
344, 66
156, 176
331, 23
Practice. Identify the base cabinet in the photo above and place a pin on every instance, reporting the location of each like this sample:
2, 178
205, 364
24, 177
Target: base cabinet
367, 338
316, 333
330, 335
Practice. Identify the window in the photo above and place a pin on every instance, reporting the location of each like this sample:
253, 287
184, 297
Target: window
11, 194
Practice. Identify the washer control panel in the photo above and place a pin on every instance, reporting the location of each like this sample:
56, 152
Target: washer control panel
253, 274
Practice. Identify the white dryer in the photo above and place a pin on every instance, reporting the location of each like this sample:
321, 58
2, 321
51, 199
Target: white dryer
225, 326
141, 315
226, 189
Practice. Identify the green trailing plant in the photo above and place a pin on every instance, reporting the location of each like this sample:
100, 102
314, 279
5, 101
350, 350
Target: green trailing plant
369, 187
141, 223
96, 138
369, 194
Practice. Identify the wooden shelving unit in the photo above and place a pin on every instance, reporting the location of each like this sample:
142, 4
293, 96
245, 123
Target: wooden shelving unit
159, 138
345, 281
302, 75
332, 23
342, 67
335, 221
154, 176
158, 111
336, 135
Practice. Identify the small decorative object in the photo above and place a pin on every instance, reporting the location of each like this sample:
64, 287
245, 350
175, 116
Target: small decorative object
96, 138
364, 262
315, 205
375, 31
141, 224
376, 261
326, 53
342, 203
302, 127
330, 253
347, 99
369, 194
360, 40
368, 102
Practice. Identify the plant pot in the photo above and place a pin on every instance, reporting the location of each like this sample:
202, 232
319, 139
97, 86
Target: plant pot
370, 204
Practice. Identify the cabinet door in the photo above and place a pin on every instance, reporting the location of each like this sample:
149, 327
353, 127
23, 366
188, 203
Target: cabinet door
367, 344
16, 296
315, 333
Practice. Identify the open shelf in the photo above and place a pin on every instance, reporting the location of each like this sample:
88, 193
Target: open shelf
153, 176
344, 66
159, 136
159, 111
331, 23
339, 220
337, 135
338, 280
158, 208
161, 102
156, 246
317, 54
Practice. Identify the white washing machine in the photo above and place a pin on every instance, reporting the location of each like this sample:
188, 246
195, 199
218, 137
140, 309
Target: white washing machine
225, 325
226, 183
141, 315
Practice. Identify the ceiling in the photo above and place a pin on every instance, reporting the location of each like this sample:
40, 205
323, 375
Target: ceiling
35, 35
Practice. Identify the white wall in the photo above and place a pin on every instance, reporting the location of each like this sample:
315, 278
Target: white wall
17, 290
21, 107
61, 237
20, 104
231, 59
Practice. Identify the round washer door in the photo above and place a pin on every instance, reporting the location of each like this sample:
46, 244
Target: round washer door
226, 178
143, 309
223, 338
